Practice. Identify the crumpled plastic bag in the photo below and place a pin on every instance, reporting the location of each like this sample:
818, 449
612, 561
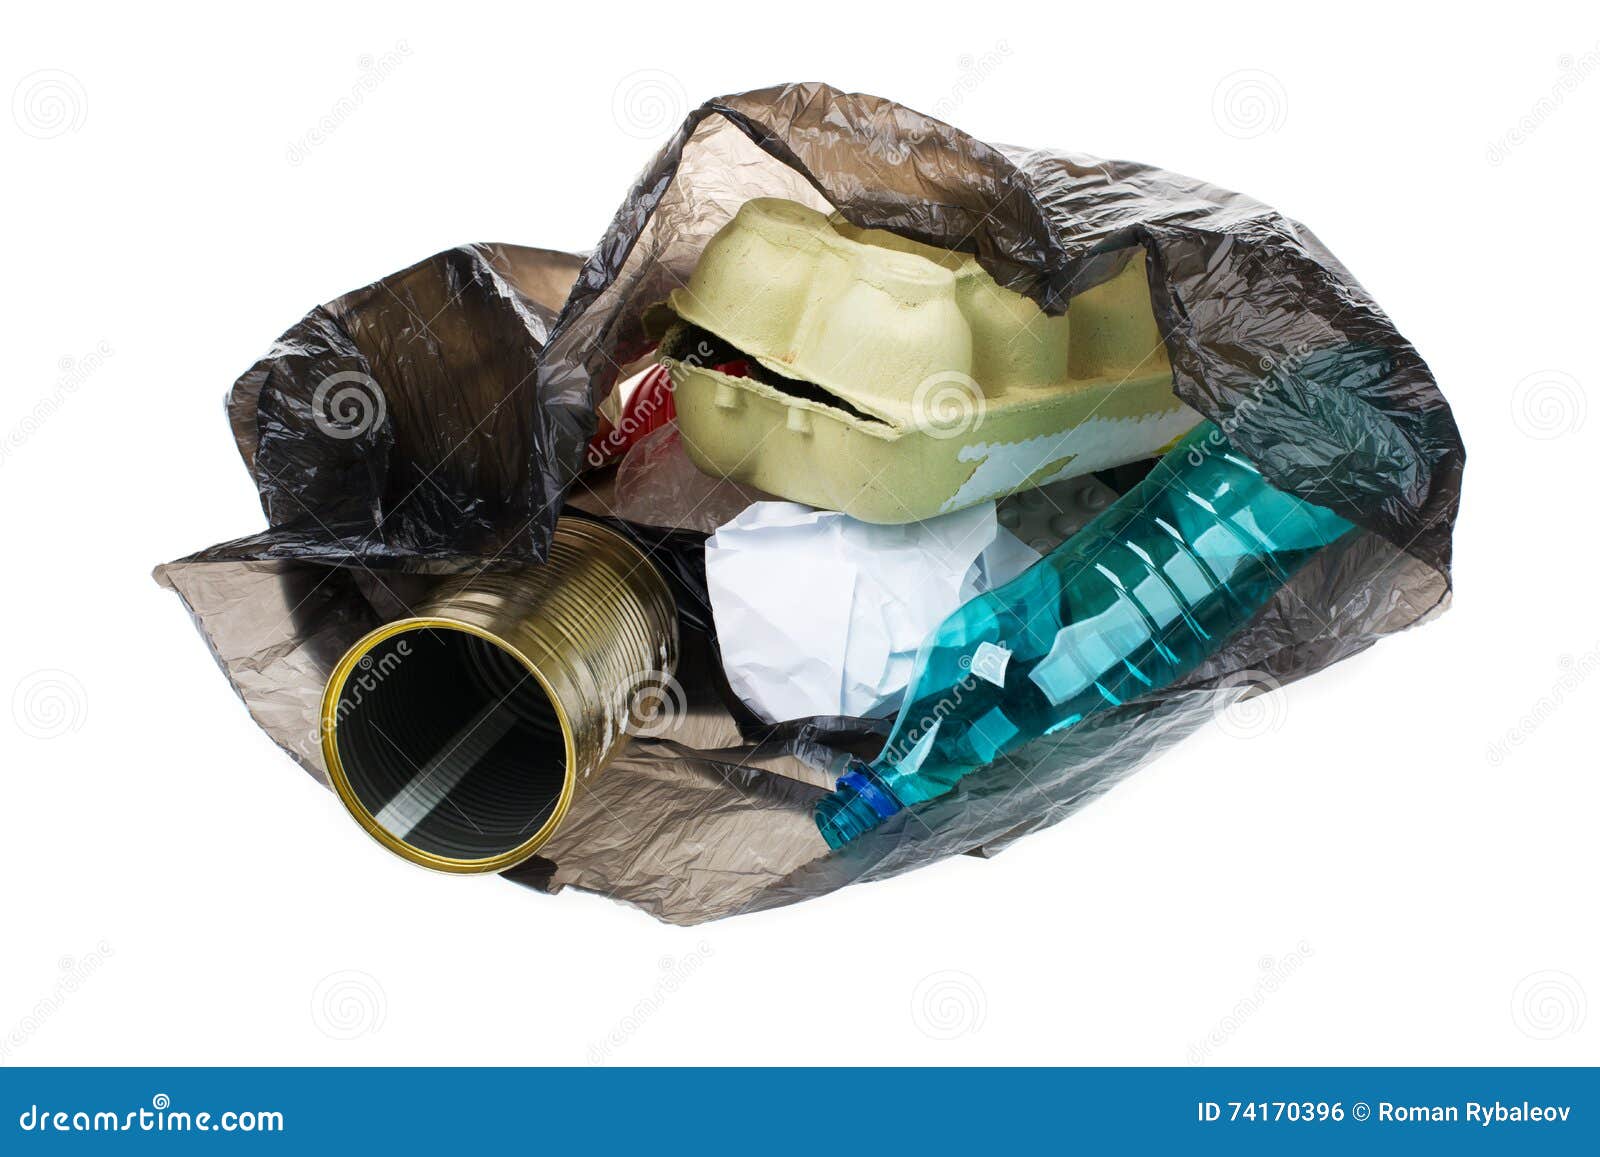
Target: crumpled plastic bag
481, 368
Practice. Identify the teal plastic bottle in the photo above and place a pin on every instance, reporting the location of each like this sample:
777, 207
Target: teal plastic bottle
1134, 601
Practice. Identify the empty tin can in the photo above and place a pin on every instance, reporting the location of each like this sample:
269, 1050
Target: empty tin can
457, 736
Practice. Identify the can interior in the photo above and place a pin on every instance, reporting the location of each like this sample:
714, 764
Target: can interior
450, 743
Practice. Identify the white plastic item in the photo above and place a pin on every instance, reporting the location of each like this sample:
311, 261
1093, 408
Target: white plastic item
819, 613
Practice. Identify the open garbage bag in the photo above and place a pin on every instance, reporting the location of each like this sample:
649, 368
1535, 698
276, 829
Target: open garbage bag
437, 422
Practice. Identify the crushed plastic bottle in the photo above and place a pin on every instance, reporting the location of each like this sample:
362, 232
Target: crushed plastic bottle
1136, 600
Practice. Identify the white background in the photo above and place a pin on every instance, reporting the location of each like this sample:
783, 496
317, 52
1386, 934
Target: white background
175, 890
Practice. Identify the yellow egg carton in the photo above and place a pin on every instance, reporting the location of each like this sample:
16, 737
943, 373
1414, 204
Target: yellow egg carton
855, 370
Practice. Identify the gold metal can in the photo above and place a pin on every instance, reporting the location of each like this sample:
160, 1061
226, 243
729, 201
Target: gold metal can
457, 737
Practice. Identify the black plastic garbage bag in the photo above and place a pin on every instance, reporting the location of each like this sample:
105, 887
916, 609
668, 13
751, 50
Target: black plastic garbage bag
437, 421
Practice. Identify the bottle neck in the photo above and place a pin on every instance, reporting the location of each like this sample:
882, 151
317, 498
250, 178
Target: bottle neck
860, 802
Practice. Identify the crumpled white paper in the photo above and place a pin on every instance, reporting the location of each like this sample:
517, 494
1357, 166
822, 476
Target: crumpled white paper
821, 614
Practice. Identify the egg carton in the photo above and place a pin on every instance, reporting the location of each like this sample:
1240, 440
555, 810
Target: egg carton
895, 381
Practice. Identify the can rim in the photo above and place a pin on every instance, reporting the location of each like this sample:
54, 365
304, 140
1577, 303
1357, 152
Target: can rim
331, 695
